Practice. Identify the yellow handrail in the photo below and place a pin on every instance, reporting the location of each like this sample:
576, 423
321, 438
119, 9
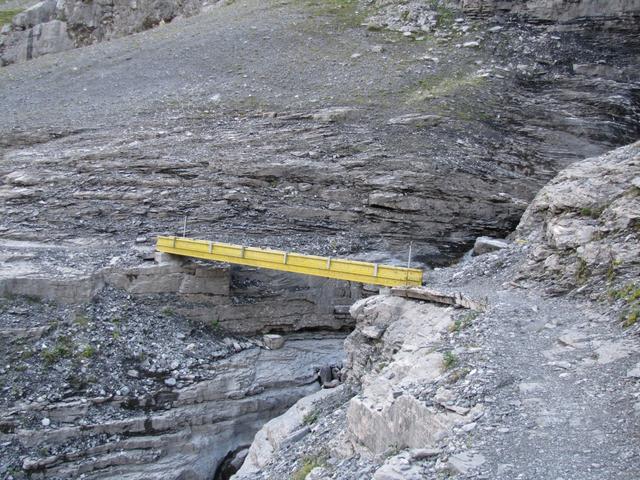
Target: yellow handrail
340, 269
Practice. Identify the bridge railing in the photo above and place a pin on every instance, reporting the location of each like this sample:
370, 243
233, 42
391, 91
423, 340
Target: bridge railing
329, 267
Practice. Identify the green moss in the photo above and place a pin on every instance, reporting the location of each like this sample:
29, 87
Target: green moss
7, 15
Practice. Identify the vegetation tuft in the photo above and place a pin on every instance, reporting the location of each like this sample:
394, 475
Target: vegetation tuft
443, 85
464, 321
582, 272
81, 320
308, 464
62, 349
591, 212
88, 351
310, 418
449, 360
630, 295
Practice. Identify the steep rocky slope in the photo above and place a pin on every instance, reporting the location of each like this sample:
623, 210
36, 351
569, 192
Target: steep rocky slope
523, 385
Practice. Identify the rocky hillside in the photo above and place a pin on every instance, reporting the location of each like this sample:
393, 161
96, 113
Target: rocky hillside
378, 140
513, 384
138, 367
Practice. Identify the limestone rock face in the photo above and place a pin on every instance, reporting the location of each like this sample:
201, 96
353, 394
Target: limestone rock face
391, 315
276, 432
41, 39
559, 11
582, 227
53, 26
389, 367
488, 244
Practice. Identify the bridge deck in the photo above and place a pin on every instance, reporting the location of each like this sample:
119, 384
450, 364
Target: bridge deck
340, 269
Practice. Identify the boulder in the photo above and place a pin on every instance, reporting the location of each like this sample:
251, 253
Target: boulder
487, 244
273, 341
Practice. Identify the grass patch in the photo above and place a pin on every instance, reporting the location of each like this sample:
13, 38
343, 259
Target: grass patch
458, 375
464, 321
630, 318
630, 295
88, 352
310, 418
443, 85
446, 16
449, 360
582, 272
168, 312
62, 349
308, 464
348, 12
7, 15
81, 320
591, 212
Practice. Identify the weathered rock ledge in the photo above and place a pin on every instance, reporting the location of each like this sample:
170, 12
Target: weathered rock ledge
240, 300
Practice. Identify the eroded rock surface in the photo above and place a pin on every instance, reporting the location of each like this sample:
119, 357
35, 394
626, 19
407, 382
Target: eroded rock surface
583, 225
240, 300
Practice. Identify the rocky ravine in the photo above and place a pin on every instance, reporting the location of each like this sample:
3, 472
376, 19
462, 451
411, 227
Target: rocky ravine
516, 384
119, 367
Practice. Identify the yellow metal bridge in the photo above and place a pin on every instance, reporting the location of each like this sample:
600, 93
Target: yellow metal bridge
340, 269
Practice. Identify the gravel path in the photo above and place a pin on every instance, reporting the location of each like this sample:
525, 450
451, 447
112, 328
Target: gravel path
554, 375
